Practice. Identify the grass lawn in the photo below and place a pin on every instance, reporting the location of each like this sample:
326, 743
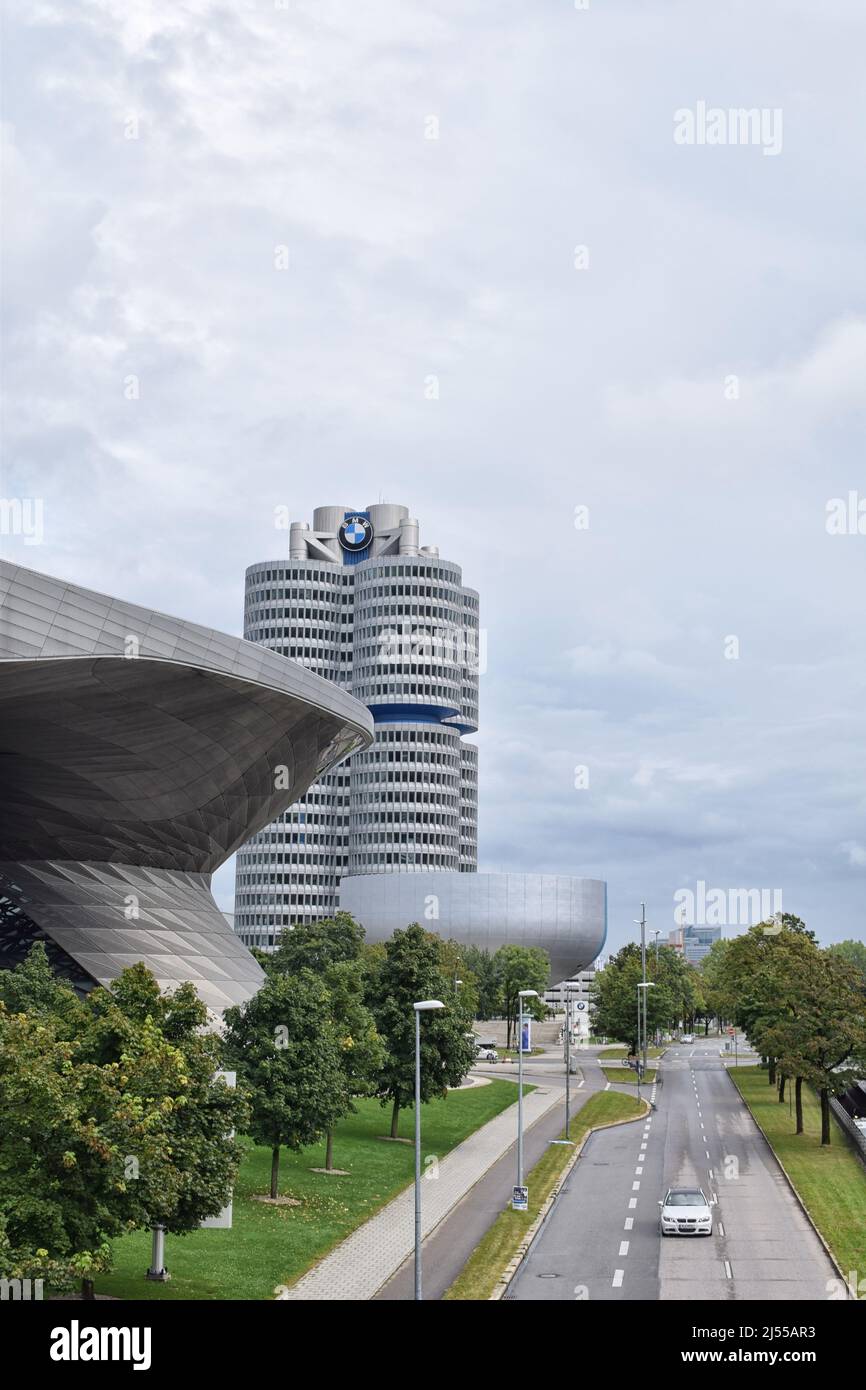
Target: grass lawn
268, 1246
831, 1181
484, 1268
627, 1076
620, 1052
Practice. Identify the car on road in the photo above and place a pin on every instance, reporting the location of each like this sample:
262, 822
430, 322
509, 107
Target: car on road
685, 1211
486, 1050
687, 1038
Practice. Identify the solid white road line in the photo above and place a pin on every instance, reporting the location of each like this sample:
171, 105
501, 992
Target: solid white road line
618, 1276
623, 1247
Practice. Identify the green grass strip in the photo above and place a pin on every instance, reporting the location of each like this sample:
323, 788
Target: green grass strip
830, 1181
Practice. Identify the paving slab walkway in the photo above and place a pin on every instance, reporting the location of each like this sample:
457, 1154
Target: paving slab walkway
358, 1267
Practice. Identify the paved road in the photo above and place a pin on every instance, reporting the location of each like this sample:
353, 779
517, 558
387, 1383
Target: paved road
601, 1239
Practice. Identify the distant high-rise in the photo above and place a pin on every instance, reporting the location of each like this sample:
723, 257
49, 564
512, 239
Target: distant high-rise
359, 602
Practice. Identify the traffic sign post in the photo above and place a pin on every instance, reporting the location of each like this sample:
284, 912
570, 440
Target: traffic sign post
520, 1198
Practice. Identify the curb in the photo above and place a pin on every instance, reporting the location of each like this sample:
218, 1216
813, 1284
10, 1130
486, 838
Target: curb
789, 1181
523, 1248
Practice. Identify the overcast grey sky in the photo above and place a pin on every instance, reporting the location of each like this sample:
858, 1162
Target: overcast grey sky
694, 377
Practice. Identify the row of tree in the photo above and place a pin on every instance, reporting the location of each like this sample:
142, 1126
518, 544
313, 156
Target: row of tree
334, 1021
114, 1116
802, 1008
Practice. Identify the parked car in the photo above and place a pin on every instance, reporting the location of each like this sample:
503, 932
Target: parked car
685, 1211
487, 1051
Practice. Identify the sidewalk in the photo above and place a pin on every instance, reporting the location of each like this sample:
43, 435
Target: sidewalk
367, 1259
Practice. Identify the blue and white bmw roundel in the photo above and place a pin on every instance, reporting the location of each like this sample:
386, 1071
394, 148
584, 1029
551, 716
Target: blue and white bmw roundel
355, 533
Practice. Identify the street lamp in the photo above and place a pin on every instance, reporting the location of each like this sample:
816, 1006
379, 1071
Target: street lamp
641, 922
642, 985
423, 1006
567, 1055
521, 995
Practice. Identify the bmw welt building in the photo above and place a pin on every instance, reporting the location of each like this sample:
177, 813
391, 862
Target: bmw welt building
137, 751
391, 835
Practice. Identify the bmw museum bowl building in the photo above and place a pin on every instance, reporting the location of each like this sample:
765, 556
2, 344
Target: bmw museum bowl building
137, 752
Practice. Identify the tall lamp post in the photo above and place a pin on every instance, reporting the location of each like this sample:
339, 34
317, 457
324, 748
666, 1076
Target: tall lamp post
642, 985
567, 1055
641, 922
423, 1006
521, 995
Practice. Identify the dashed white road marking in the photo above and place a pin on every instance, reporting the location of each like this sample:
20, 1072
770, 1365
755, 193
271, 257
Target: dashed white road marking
635, 1187
632, 1202
638, 1171
643, 1146
629, 1223
618, 1276
623, 1247
721, 1229
728, 1272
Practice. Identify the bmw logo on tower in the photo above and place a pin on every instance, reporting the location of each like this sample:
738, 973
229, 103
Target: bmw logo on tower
355, 533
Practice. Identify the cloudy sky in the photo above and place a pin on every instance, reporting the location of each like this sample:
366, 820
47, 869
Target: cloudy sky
242, 238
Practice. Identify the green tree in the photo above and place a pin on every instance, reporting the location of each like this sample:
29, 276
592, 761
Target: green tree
410, 971
833, 1053
33, 988
852, 951
615, 993
285, 1046
716, 984
488, 986
318, 945
84, 1155
201, 1110
518, 968
332, 950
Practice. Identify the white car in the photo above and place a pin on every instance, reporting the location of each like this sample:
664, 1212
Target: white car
687, 1038
685, 1211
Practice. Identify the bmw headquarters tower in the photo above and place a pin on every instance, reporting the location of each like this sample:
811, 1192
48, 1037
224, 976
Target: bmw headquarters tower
361, 603
391, 835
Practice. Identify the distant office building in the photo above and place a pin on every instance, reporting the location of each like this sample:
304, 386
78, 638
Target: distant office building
361, 603
694, 942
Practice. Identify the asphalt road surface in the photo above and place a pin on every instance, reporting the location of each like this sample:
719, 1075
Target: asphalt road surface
601, 1239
